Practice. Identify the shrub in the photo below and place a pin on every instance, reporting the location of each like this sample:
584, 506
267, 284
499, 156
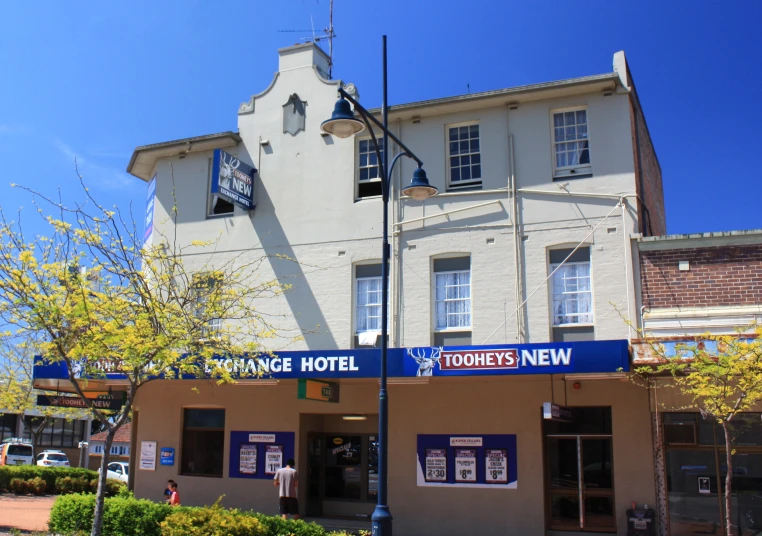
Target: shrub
212, 521
19, 487
37, 486
276, 526
124, 516
113, 487
127, 515
64, 485
72, 513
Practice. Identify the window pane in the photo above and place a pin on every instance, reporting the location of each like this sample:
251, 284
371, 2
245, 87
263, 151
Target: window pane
205, 418
203, 452
453, 134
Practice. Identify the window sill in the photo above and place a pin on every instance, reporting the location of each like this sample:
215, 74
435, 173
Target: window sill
573, 176
367, 197
577, 325
465, 187
463, 329
219, 216
203, 476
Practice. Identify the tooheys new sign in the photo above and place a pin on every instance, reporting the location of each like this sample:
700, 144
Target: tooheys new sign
543, 358
233, 179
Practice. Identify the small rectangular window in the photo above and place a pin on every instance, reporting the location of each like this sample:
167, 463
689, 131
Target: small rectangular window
464, 160
452, 278
571, 145
572, 294
368, 169
203, 442
368, 283
206, 294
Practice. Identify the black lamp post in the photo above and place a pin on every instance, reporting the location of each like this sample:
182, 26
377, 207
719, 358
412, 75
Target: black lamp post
344, 124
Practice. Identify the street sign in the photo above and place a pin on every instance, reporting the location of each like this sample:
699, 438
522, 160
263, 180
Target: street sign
77, 402
318, 390
554, 412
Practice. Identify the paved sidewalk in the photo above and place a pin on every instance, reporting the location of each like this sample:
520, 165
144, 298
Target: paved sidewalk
26, 513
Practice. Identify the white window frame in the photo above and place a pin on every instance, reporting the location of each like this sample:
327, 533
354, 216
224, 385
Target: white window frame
358, 167
460, 184
213, 326
357, 305
470, 298
97, 449
576, 169
210, 197
589, 292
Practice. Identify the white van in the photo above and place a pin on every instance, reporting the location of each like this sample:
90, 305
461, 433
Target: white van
15, 451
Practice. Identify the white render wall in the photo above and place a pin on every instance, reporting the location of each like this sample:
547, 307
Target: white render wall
306, 210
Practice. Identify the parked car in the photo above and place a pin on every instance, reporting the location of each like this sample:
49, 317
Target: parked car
117, 471
15, 451
52, 458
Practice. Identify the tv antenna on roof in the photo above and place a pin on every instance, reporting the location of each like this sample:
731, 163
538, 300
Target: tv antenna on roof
328, 34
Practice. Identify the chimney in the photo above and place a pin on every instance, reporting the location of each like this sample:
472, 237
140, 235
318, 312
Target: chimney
303, 55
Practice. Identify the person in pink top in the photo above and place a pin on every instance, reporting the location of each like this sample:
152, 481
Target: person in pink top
174, 499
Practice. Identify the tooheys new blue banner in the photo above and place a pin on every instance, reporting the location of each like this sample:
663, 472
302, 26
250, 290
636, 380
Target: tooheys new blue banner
491, 360
233, 179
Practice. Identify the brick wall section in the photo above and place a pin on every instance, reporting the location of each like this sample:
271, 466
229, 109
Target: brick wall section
718, 276
653, 220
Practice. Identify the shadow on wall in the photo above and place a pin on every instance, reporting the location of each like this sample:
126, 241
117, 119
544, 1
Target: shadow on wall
301, 300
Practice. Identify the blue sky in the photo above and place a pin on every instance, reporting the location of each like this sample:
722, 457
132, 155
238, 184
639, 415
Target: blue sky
97, 79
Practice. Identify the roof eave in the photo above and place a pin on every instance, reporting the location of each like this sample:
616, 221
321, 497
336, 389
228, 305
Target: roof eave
517, 93
154, 151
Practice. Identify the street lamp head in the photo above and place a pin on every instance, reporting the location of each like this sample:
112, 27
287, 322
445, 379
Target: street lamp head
343, 122
419, 188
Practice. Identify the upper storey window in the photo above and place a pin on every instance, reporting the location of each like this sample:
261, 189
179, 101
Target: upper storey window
571, 145
368, 170
464, 156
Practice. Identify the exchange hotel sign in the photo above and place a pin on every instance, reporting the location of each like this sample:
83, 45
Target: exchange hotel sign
545, 358
233, 179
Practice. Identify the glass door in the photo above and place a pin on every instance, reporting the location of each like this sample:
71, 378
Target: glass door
581, 484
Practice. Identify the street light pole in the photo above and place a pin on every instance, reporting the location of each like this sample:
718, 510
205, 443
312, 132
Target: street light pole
344, 124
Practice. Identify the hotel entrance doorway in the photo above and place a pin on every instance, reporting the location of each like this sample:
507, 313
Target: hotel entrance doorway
343, 474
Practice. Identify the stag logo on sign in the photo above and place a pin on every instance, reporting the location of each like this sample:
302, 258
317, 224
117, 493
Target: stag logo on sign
427, 358
233, 179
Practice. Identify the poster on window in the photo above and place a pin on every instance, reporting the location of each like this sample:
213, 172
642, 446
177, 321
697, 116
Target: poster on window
247, 460
496, 466
465, 465
273, 459
436, 465
148, 455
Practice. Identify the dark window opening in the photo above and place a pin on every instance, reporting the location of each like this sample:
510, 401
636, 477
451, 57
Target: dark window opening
203, 442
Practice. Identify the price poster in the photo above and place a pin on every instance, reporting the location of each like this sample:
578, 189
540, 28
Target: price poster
465, 465
436, 465
496, 466
273, 458
247, 460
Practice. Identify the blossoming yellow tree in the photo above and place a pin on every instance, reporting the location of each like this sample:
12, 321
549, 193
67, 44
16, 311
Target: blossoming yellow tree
95, 298
721, 377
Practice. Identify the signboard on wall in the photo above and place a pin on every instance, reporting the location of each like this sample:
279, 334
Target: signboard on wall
167, 456
148, 455
259, 454
317, 390
150, 202
233, 179
492, 360
467, 461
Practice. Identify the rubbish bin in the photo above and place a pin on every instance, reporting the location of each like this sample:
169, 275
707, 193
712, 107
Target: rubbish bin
641, 522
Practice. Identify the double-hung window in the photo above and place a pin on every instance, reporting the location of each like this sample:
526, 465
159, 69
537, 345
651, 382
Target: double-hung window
368, 170
571, 145
206, 294
452, 277
572, 294
368, 292
216, 205
464, 156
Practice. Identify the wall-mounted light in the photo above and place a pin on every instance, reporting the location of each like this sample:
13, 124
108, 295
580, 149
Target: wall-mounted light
513, 105
684, 266
264, 142
355, 417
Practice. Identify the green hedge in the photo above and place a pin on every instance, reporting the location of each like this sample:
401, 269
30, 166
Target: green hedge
48, 474
127, 516
54, 480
